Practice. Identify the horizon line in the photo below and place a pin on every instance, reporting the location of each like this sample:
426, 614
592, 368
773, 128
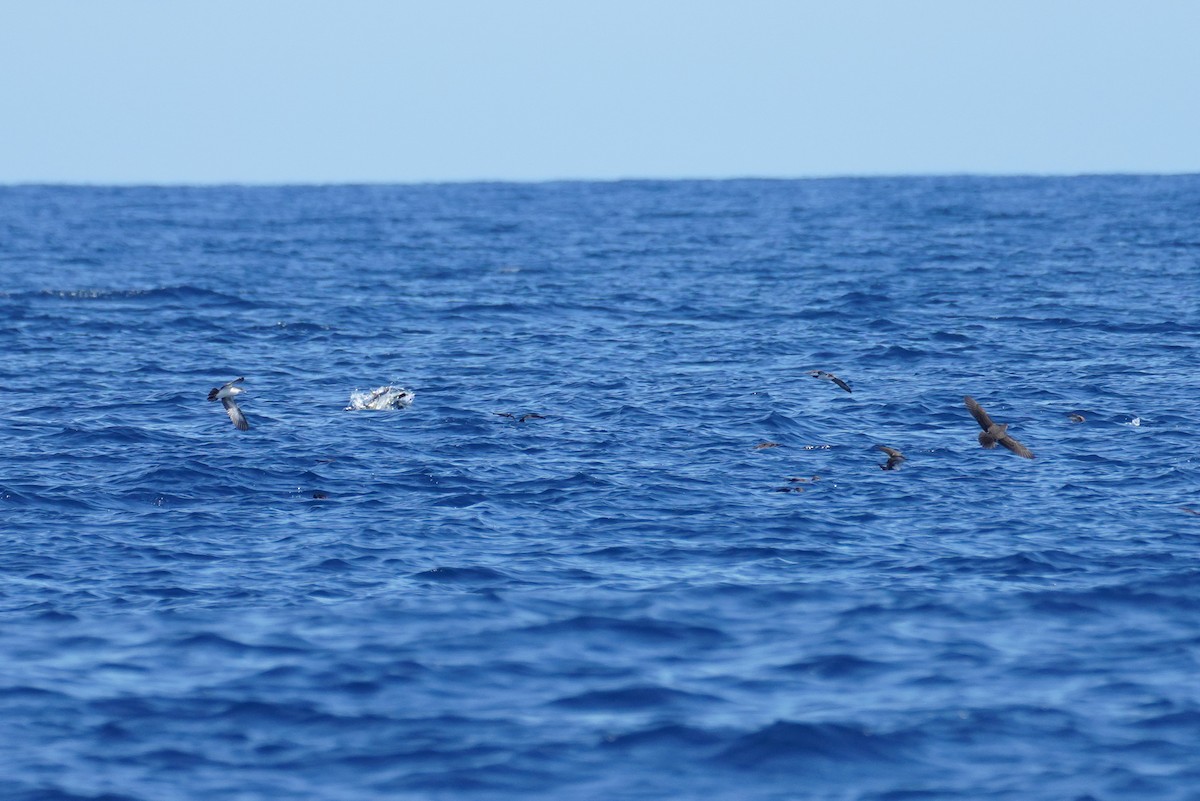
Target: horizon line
166, 184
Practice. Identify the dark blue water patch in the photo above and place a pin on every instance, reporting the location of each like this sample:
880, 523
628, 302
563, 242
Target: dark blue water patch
632, 698
471, 576
50, 793
803, 747
837, 666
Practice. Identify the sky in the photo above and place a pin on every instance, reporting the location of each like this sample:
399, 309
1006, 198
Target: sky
296, 91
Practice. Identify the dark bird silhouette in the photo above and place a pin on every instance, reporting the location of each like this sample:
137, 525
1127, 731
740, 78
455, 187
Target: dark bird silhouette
522, 418
994, 433
895, 457
824, 376
225, 394
1076, 418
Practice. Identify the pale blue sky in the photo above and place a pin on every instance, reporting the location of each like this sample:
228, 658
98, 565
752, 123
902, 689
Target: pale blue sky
254, 91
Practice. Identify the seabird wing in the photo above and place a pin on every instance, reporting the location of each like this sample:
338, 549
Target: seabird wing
978, 413
840, 383
222, 391
235, 414
891, 452
1015, 447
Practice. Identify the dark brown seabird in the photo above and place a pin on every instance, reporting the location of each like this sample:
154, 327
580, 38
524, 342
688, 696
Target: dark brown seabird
895, 457
522, 418
994, 433
824, 376
224, 394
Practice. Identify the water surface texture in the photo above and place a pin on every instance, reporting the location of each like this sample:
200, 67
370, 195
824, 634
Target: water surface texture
626, 597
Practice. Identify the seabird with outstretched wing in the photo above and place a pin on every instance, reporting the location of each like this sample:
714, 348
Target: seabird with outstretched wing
994, 433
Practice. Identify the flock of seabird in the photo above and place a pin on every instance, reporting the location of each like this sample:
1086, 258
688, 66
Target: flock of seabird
388, 397
993, 433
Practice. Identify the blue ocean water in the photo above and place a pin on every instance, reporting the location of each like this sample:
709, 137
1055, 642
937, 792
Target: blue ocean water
613, 600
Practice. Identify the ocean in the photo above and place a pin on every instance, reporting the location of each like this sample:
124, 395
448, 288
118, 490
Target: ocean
618, 543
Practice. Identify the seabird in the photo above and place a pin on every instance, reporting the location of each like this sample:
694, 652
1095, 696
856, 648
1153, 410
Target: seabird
375, 396
386, 397
762, 445
895, 457
522, 418
994, 433
225, 395
824, 376
1076, 418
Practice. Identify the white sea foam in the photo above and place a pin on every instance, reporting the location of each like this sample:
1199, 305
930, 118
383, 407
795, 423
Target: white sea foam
386, 397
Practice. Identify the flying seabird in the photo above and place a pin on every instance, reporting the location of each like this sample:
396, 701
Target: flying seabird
994, 433
895, 457
225, 395
522, 418
1076, 418
824, 376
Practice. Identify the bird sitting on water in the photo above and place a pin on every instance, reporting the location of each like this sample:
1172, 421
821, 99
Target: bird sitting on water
994, 433
224, 394
895, 457
824, 376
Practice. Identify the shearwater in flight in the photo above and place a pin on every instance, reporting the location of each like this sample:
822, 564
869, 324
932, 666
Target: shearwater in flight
824, 376
994, 433
225, 395
894, 456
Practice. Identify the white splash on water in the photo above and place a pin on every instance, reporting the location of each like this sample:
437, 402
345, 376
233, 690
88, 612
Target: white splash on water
386, 397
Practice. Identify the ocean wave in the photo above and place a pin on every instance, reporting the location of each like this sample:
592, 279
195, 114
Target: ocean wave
182, 296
